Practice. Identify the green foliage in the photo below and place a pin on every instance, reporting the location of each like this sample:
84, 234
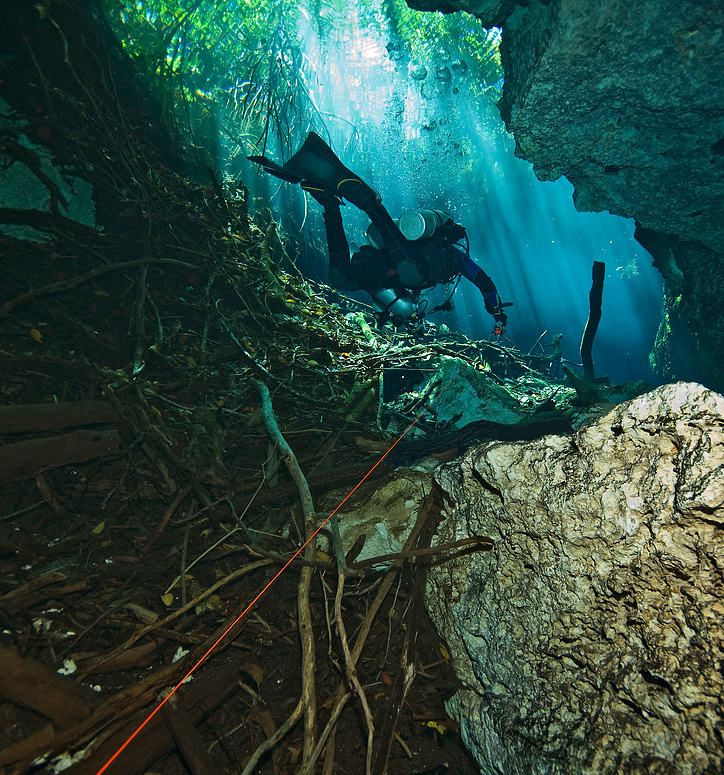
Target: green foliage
235, 60
238, 66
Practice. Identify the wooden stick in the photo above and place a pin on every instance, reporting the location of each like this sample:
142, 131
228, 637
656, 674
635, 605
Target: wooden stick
140, 316
37, 686
187, 738
156, 534
27, 458
595, 299
32, 418
342, 695
352, 670
407, 667
270, 742
140, 633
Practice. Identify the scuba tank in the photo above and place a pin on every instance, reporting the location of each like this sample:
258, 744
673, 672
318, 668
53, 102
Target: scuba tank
400, 306
374, 237
414, 225
422, 224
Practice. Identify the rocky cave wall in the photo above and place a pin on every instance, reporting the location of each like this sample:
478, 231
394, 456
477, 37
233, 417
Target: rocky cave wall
590, 641
626, 100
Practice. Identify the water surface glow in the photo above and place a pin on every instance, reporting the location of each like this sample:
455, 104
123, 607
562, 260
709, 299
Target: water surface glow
439, 142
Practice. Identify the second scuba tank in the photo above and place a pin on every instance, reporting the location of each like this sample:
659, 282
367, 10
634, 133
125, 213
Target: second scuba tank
421, 224
399, 305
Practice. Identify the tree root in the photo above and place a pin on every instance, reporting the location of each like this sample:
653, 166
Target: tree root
308, 699
351, 669
73, 282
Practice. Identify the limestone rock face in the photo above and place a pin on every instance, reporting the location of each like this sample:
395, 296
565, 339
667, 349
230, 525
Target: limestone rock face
591, 639
383, 514
621, 98
625, 99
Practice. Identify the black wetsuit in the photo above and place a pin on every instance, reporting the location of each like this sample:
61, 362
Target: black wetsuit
402, 264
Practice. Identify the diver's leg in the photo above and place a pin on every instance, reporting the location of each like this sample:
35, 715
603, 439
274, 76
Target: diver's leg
336, 238
393, 239
337, 244
325, 175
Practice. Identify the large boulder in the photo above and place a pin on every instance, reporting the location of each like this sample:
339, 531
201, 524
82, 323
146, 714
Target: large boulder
625, 100
591, 639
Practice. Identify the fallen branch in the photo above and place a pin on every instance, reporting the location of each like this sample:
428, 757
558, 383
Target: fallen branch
352, 670
143, 631
114, 721
32, 418
187, 739
271, 742
156, 534
484, 544
342, 695
407, 664
37, 686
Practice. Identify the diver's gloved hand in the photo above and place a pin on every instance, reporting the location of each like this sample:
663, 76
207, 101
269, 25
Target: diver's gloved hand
500, 317
501, 320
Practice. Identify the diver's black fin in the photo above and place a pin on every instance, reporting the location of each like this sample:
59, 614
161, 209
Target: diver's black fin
317, 163
275, 169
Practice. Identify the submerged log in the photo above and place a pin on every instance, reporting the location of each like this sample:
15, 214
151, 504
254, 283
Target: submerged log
26, 458
32, 418
595, 298
37, 686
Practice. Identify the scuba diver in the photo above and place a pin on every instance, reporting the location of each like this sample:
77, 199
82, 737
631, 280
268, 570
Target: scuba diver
422, 249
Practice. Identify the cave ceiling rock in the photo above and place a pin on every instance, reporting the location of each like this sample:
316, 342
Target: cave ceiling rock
590, 639
622, 98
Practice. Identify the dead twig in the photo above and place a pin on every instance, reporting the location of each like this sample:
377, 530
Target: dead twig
128, 421
484, 545
270, 742
140, 318
352, 670
151, 540
342, 695
143, 631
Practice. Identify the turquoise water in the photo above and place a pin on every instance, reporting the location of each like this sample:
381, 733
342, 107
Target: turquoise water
438, 142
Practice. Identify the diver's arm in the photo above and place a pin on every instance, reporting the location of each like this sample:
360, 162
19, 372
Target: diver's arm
491, 297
